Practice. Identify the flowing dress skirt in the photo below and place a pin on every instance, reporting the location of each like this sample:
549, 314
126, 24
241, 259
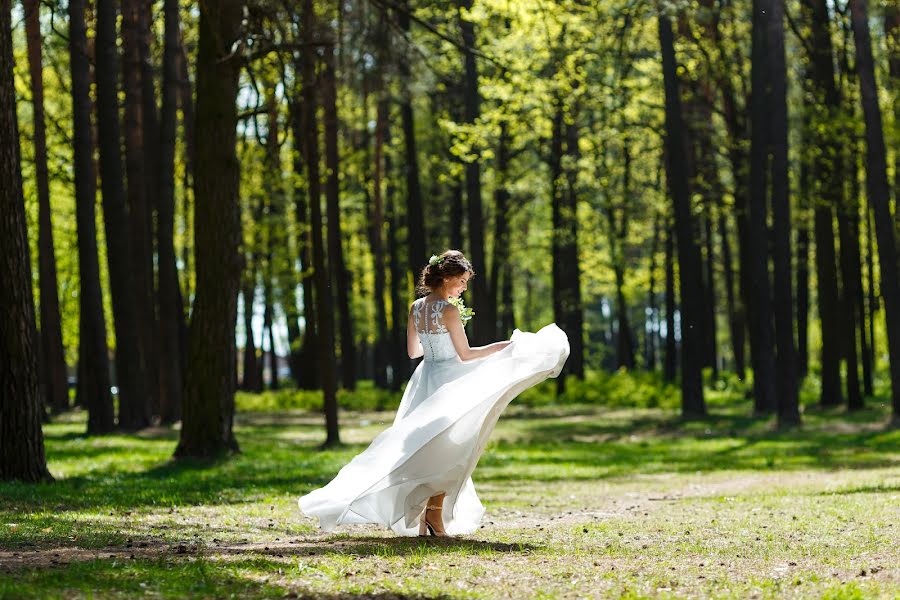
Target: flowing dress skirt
448, 411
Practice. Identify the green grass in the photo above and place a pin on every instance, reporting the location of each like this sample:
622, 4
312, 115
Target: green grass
583, 501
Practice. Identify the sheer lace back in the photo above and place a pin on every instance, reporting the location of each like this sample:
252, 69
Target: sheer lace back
429, 315
429, 321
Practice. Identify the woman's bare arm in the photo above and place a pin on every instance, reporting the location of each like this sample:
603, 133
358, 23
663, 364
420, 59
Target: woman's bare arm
461, 342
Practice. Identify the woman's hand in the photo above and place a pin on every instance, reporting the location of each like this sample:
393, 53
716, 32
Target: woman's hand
501, 345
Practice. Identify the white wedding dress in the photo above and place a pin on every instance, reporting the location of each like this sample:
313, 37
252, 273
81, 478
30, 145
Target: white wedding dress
448, 411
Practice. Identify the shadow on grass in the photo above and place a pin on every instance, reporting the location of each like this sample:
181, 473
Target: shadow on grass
165, 577
552, 444
380, 546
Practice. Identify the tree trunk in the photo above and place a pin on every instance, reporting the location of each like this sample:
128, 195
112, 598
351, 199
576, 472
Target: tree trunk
340, 275
56, 392
325, 325
764, 376
500, 265
856, 262
170, 312
308, 373
400, 363
735, 321
208, 412
670, 361
139, 179
415, 218
878, 191
650, 326
484, 327
21, 437
251, 381
892, 37
692, 402
828, 170
618, 237
131, 374
93, 390
376, 241
804, 202
786, 366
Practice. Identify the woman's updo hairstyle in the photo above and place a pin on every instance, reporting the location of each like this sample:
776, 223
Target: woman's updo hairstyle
450, 263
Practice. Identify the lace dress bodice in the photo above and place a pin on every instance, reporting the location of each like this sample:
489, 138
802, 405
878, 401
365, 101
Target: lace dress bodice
429, 320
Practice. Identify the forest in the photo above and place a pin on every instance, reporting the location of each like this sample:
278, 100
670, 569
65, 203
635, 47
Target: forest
214, 214
204, 198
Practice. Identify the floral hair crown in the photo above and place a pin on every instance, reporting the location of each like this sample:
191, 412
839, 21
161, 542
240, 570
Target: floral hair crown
435, 260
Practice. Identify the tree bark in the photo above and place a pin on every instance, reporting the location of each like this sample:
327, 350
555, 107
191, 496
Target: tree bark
692, 402
325, 324
764, 375
878, 191
501, 269
827, 169
208, 412
170, 312
131, 374
414, 213
306, 358
670, 360
139, 179
53, 361
93, 390
340, 275
485, 326
251, 381
786, 366
21, 437
376, 241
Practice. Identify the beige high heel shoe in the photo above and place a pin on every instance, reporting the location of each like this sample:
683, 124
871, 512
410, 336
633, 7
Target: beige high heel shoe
430, 526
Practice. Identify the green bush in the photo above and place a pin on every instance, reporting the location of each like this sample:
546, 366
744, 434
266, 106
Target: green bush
365, 397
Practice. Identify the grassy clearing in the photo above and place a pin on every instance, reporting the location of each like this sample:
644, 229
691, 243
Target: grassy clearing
582, 501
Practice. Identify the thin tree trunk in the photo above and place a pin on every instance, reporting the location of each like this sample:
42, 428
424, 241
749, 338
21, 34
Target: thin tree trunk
325, 325
878, 191
376, 241
764, 375
828, 169
414, 213
131, 374
339, 273
93, 390
618, 238
892, 38
399, 283
139, 178
786, 366
308, 374
484, 327
170, 311
499, 265
735, 322
56, 392
251, 381
21, 437
692, 402
860, 298
650, 337
804, 202
670, 361
208, 414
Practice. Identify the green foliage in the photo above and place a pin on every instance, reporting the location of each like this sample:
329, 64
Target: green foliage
365, 397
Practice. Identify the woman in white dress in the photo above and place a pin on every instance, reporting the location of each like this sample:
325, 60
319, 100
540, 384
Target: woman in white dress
415, 477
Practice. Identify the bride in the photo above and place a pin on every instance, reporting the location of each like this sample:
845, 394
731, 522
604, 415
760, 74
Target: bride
416, 475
